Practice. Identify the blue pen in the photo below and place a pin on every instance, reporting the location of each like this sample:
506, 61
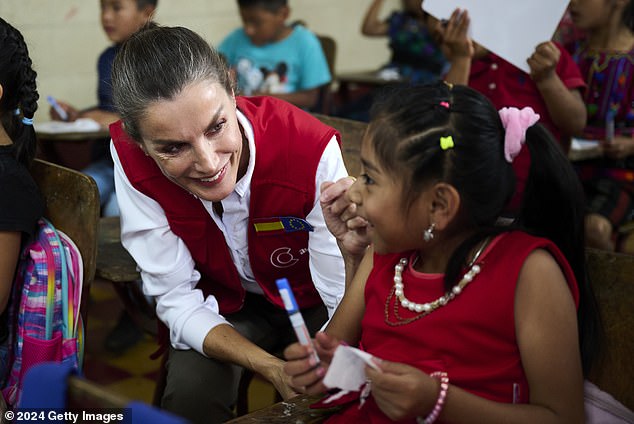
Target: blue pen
297, 321
61, 112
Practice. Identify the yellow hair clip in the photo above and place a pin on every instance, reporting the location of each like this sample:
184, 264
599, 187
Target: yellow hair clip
446, 142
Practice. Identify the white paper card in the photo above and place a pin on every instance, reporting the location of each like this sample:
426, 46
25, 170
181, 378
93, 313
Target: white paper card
509, 28
82, 125
347, 369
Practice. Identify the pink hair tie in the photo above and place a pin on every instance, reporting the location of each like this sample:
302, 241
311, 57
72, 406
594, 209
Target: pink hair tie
516, 122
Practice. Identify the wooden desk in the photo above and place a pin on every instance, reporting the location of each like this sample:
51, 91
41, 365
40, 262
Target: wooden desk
581, 150
294, 411
361, 78
115, 264
70, 149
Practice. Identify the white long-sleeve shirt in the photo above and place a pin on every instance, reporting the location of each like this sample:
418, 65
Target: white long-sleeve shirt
167, 267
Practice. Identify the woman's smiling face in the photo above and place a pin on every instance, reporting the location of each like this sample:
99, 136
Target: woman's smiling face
196, 141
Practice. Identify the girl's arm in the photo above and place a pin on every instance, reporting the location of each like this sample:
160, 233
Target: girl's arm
372, 25
10, 248
346, 323
565, 106
546, 327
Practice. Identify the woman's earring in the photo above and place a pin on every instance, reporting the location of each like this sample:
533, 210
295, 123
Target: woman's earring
428, 235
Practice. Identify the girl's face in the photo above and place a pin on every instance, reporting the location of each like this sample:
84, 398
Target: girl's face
591, 14
121, 18
378, 196
196, 141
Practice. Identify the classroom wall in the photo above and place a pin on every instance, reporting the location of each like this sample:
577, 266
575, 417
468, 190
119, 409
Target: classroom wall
65, 36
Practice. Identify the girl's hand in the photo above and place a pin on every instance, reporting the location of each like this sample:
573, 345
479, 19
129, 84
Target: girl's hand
621, 147
340, 215
455, 42
402, 391
306, 375
543, 61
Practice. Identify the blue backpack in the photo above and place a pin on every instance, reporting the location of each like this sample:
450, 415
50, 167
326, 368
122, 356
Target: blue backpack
44, 320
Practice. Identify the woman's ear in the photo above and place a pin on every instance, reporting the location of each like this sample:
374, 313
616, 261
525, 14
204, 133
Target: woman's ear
1, 91
445, 204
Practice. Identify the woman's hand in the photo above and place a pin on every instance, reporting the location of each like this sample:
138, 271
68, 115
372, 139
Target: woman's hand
305, 374
621, 147
402, 391
280, 380
340, 215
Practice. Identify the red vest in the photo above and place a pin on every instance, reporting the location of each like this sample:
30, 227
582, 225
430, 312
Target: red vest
289, 144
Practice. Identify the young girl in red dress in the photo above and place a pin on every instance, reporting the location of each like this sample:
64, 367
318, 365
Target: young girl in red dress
467, 318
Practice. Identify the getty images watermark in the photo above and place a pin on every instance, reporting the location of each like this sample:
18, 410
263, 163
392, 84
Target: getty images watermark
101, 415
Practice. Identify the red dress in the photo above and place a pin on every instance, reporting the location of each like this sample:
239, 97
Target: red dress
472, 338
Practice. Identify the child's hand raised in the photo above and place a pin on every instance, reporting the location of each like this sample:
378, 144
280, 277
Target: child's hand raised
456, 43
543, 61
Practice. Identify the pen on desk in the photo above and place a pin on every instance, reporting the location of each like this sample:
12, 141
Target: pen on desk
297, 321
60, 111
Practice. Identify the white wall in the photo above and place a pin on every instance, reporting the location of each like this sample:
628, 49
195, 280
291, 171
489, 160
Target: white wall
65, 36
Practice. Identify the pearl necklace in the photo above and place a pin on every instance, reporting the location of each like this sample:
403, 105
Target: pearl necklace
429, 307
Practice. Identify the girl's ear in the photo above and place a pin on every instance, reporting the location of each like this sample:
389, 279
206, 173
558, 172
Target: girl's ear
445, 204
1, 91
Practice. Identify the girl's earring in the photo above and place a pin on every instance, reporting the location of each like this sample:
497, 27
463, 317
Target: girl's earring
428, 235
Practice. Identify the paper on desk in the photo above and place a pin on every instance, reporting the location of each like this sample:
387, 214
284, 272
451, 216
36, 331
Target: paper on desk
509, 28
59, 127
583, 144
347, 369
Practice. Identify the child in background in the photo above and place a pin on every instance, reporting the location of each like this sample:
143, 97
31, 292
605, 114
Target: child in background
553, 88
119, 19
490, 312
273, 58
21, 204
606, 60
416, 56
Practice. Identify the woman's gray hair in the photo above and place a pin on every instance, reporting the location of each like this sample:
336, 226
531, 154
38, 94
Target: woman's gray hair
156, 64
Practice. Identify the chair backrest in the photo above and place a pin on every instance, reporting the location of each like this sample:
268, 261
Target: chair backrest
329, 46
72, 205
351, 136
612, 278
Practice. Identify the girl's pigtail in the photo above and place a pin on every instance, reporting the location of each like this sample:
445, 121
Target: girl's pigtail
553, 185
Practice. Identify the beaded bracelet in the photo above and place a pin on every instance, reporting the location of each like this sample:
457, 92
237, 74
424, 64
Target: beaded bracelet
440, 402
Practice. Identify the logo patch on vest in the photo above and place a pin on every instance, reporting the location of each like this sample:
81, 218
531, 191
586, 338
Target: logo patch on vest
279, 225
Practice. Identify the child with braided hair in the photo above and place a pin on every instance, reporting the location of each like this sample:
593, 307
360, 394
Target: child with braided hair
463, 317
22, 204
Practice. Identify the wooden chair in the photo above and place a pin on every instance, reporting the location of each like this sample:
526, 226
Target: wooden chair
612, 278
329, 46
72, 205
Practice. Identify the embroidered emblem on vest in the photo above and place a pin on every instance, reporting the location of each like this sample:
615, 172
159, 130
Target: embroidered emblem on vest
281, 224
